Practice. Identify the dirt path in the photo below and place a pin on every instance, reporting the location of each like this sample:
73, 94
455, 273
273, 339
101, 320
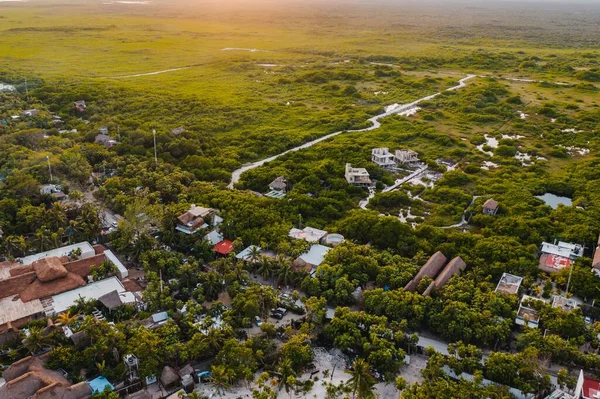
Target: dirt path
148, 73
394, 109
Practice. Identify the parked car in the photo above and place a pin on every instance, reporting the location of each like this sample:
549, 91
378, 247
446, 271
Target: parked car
258, 321
276, 315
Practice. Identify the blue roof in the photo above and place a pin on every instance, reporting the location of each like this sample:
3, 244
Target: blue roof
158, 317
99, 384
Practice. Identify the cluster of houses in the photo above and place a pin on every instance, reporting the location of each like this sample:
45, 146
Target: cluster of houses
321, 241
383, 158
48, 283
386, 160
554, 258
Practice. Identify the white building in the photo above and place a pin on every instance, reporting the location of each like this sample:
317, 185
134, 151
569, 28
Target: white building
407, 157
383, 157
357, 176
309, 234
509, 284
528, 315
86, 252
564, 249
61, 302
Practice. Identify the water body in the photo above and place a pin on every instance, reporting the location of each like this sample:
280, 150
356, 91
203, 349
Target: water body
7, 87
554, 200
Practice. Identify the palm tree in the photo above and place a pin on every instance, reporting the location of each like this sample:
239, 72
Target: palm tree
56, 237
266, 268
285, 274
362, 380
37, 341
213, 340
42, 237
286, 375
16, 245
254, 255
56, 216
66, 319
220, 379
212, 285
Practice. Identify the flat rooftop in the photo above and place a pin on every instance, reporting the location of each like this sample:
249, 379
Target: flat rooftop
509, 283
315, 255
13, 310
309, 234
86, 252
62, 302
566, 304
565, 249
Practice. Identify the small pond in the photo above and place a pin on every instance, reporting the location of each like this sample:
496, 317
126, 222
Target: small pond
554, 200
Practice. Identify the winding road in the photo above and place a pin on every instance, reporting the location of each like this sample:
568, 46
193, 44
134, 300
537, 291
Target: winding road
394, 109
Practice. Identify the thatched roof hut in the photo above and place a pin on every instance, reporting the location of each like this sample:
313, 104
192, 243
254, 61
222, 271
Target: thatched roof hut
112, 300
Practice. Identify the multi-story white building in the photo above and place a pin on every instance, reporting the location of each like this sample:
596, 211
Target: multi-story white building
357, 176
383, 157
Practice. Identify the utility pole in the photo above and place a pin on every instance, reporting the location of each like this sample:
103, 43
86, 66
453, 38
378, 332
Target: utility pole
155, 156
569, 281
49, 167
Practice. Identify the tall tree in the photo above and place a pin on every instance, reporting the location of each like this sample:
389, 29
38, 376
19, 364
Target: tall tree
362, 381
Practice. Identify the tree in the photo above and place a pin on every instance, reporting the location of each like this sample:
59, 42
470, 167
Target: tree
263, 388
254, 255
286, 374
37, 340
315, 309
565, 380
220, 379
362, 381
66, 319
298, 351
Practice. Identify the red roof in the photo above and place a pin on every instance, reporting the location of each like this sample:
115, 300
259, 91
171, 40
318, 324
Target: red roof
224, 247
591, 387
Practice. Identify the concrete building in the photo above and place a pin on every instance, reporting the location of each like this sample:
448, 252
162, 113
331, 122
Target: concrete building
383, 157
509, 284
407, 157
357, 176
565, 304
558, 256
309, 234
312, 259
527, 315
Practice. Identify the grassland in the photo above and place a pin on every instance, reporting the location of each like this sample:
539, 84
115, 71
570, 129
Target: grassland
321, 67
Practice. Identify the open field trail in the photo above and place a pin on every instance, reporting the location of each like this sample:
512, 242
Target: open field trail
394, 109
148, 73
